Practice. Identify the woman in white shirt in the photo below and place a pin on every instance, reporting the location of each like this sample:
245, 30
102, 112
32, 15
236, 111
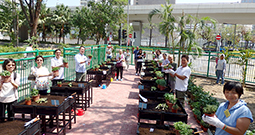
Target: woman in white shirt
8, 89
42, 76
119, 66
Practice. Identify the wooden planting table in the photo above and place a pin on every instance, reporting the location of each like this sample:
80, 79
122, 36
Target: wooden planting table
84, 92
148, 111
54, 111
98, 76
16, 127
145, 91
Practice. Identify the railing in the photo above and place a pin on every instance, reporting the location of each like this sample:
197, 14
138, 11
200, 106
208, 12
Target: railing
201, 65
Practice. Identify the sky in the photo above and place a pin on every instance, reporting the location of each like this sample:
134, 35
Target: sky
53, 3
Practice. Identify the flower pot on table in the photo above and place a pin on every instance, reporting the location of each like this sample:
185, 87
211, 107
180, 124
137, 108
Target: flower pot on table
28, 102
56, 72
36, 98
65, 65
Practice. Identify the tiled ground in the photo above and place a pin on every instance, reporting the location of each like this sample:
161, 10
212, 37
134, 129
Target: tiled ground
114, 110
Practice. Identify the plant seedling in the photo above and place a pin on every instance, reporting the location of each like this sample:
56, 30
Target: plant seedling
170, 98
97, 66
59, 82
170, 66
183, 128
175, 107
41, 100
55, 69
161, 82
210, 109
153, 88
160, 61
90, 56
5, 73
34, 92
64, 60
108, 60
70, 84
162, 106
27, 98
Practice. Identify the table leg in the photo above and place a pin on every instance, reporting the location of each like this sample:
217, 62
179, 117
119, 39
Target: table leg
43, 123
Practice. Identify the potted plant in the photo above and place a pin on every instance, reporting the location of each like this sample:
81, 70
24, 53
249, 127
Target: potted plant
182, 128
159, 74
108, 60
162, 106
55, 71
153, 88
70, 84
97, 67
175, 108
5, 74
204, 126
170, 66
160, 62
161, 84
196, 112
170, 99
59, 83
90, 56
103, 64
165, 67
28, 101
35, 94
65, 63
210, 110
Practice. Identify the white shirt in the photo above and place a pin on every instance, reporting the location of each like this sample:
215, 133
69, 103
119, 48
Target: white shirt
41, 83
127, 56
8, 92
181, 85
58, 62
29, 54
109, 50
81, 68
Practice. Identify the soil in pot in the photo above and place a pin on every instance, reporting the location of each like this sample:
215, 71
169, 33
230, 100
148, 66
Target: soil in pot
151, 104
61, 99
11, 127
147, 78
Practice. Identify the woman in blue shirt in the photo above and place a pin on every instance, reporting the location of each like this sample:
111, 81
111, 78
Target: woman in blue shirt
233, 116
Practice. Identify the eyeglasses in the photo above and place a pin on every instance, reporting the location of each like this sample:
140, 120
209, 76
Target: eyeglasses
39, 60
10, 65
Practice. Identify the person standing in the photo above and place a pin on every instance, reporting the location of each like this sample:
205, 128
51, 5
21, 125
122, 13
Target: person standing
42, 75
139, 61
57, 61
220, 69
182, 75
29, 48
8, 89
171, 80
80, 64
233, 116
119, 66
165, 61
109, 52
127, 58
135, 53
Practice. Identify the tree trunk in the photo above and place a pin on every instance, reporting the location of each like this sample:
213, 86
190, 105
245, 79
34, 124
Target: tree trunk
150, 36
79, 36
166, 37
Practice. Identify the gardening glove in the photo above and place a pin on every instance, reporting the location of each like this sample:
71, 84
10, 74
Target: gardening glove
213, 121
171, 71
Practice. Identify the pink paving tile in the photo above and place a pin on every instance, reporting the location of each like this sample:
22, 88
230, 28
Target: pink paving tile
114, 109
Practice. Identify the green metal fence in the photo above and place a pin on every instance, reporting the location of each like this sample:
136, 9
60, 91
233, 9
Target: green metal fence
201, 65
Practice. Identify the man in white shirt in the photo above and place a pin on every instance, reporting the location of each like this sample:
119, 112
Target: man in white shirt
109, 52
80, 64
182, 75
57, 61
29, 48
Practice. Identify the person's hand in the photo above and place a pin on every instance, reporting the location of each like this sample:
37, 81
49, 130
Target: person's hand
213, 121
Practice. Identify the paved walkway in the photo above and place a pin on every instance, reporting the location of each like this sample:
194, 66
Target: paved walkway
114, 109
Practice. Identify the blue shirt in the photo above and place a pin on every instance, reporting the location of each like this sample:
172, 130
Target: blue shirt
239, 110
135, 52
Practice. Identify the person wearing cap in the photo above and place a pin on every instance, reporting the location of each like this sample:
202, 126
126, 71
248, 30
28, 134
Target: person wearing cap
109, 52
220, 69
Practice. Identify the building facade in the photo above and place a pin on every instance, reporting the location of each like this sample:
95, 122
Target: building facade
151, 2
248, 1
85, 2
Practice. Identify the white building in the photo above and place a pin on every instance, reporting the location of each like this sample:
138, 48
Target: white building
85, 2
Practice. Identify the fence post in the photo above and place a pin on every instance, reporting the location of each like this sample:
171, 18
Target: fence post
64, 52
91, 52
208, 66
99, 51
246, 67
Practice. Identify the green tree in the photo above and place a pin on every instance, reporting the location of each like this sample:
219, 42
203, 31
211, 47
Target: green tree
6, 17
245, 55
31, 10
44, 25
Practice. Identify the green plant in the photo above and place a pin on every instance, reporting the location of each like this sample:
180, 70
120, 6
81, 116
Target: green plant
70, 84
183, 128
165, 67
161, 82
162, 106
249, 132
97, 66
196, 112
64, 60
104, 63
34, 92
170, 66
41, 100
5, 73
108, 60
27, 98
59, 82
159, 74
90, 55
160, 61
153, 88
170, 98
55, 68
204, 124
175, 107
210, 109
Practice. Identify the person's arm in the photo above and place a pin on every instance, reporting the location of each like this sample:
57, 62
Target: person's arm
78, 59
53, 64
186, 74
16, 82
242, 124
182, 77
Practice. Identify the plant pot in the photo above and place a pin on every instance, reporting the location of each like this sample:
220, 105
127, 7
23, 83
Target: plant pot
65, 65
56, 72
204, 128
211, 115
35, 98
160, 64
90, 57
174, 110
169, 104
161, 87
28, 102
59, 85
6, 78
96, 69
165, 68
